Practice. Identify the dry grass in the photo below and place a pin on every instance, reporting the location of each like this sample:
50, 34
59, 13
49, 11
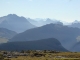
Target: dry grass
52, 56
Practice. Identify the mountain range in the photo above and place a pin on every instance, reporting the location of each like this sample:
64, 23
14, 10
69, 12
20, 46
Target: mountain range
66, 35
40, 22
15, 23
76, 23
33, 31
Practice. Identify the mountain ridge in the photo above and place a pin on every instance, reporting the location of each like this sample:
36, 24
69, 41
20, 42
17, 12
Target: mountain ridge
15, 23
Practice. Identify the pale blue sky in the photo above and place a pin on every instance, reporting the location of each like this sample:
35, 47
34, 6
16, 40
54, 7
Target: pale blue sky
64, 10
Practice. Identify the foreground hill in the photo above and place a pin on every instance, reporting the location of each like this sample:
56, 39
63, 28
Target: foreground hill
66, 35
43, 44
6, 34
15, 23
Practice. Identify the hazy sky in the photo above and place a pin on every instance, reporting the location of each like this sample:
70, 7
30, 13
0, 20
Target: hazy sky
64, 10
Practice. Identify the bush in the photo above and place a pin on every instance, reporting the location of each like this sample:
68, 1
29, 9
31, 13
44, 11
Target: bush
1, 57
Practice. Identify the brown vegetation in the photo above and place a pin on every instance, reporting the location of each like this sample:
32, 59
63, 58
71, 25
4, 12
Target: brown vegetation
39, 55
